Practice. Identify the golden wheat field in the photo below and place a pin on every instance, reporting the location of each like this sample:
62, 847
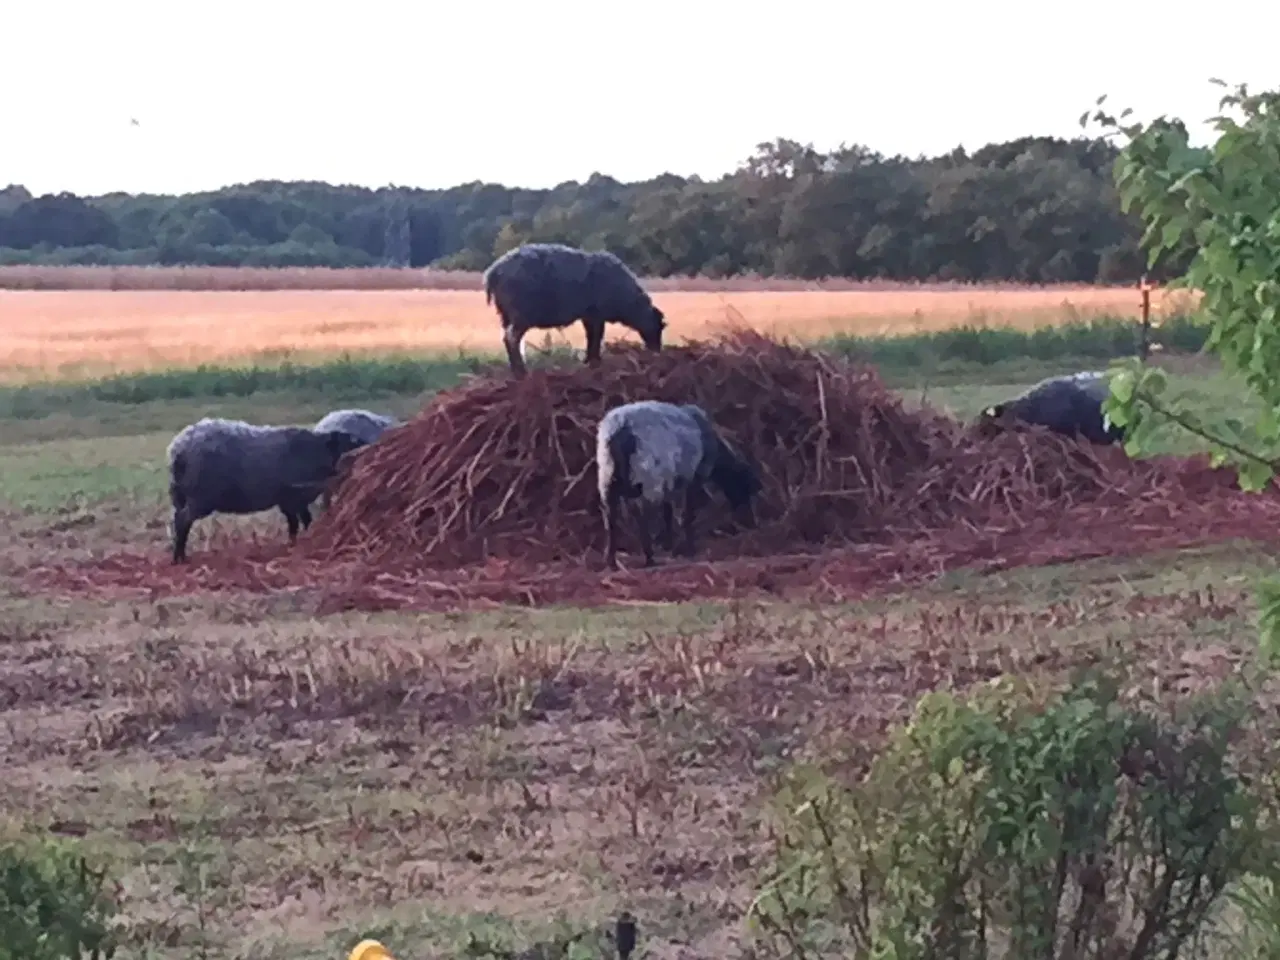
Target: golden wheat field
62, 333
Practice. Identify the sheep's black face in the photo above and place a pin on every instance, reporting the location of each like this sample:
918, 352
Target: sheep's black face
993, 419
339, 443
651, 334
739, 483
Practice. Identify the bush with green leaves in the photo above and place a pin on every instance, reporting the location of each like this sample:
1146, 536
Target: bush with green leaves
53, 904
1219, 204
1011, 825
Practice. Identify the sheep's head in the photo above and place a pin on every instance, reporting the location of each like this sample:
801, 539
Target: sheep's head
339, 443
653, 322
994, 418
738, 479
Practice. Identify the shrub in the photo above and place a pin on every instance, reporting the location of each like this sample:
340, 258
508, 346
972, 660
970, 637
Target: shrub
1005, 826
53, 905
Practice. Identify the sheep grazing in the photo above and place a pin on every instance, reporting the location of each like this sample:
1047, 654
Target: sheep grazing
229, 466
657, 451
364, 426
548, 286
1070, 405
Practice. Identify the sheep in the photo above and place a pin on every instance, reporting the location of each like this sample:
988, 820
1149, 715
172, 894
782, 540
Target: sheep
229, 466
361, 424
657, 451
364, 426
548, 286
1070, 405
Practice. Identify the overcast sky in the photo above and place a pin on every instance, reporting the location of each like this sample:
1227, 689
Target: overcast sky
532, 94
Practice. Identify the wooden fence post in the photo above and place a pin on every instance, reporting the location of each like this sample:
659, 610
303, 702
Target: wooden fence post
1144, 338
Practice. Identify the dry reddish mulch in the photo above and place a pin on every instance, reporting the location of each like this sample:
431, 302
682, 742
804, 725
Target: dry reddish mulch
489, 495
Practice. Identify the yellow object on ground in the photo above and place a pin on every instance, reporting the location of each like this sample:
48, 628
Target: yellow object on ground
369, 950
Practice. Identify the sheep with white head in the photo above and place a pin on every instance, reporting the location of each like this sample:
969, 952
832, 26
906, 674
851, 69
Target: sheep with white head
660, 452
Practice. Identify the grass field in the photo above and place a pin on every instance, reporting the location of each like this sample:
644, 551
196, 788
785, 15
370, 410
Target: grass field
89, 333
272, 784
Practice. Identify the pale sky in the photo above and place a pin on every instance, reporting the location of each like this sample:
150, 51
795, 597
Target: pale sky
536, 93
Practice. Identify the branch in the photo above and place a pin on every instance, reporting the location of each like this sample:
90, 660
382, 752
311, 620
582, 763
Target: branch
1200, 432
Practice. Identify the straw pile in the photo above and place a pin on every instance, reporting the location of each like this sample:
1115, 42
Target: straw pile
505, 468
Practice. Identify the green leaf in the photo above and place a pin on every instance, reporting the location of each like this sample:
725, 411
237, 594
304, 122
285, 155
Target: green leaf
1122, 385
1269, 619
1154, 382
1172, 234
1117, 414
1254, 475
1268, 424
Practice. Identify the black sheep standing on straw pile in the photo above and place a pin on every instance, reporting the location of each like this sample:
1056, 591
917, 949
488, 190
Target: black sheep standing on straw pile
548, 286
1069, 405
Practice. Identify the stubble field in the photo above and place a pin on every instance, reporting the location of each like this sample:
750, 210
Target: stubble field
89, 333
274, 781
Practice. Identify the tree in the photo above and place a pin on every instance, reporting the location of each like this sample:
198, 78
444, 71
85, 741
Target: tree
59, 220
1037, 208
1219, 203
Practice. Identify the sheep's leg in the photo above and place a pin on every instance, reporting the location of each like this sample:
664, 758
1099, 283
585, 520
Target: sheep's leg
646, 535
611, 506
304, 514
692, 500
668, 527
291, 519
181, 531
511, 339
595, 339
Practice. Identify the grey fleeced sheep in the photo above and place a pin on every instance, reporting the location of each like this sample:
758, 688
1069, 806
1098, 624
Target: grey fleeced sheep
548, 286
229, 466
657, 451
1070, 405
363, 425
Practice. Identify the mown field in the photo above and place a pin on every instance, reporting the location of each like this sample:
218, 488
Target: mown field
116, 278
92, 333
268, 783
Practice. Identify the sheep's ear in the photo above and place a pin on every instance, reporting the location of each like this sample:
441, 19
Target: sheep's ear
334, 440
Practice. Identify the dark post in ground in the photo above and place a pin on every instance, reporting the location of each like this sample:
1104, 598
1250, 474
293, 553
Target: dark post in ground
1144, 337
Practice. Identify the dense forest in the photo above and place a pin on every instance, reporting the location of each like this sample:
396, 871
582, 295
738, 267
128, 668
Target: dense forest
1035, 210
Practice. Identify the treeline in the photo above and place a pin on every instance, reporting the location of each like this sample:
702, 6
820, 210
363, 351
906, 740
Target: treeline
1034, 210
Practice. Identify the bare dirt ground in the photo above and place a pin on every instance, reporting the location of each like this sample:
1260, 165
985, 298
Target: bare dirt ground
823, 576
278, 769
275, 783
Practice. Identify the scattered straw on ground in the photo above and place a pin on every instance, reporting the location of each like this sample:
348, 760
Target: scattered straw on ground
489, 495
